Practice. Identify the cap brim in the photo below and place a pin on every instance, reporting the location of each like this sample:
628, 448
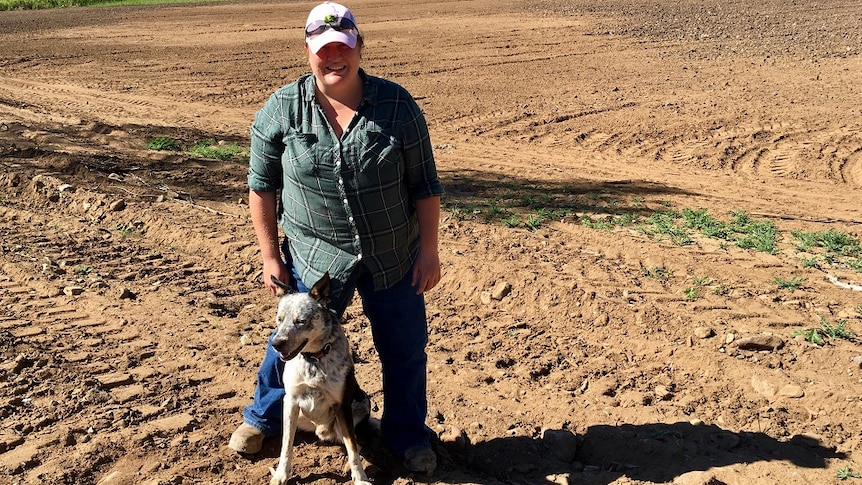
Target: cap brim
317, 42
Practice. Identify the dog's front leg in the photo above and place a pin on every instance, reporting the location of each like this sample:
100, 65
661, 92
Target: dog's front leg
291, 413
345, 423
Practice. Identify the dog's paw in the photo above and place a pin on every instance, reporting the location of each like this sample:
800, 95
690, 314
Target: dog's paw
279, 477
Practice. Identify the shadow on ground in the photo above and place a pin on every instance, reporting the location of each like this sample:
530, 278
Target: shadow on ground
651, 452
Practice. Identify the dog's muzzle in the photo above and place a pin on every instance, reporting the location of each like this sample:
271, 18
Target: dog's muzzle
284, 352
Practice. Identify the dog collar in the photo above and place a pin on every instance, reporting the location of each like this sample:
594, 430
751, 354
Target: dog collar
312, 356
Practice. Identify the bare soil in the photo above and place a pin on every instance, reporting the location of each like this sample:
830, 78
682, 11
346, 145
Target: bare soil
133, 319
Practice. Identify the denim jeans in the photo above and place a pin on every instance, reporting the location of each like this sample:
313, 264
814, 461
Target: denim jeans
400, 331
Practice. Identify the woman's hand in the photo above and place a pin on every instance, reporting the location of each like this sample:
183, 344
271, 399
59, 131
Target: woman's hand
426, 271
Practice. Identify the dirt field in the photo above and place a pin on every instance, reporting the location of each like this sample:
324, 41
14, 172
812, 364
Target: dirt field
133, 319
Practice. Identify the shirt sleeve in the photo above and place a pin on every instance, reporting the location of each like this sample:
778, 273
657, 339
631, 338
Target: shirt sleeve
267, 146
421, 170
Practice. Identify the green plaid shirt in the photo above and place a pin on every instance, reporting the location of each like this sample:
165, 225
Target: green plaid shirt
347, 201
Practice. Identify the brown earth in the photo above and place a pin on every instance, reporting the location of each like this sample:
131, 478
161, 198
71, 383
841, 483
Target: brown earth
133, 319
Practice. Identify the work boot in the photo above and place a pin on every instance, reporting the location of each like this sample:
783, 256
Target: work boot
420, 460
246, 439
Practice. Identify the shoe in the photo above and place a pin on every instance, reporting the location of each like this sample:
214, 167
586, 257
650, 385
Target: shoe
420, 460
246, 439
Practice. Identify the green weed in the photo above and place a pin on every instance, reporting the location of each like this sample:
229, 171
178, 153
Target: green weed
219, 151
83, 269
702, 281
811, 335
163, 143
818, 336
457, 213
758, 235
42, 4
658, 272
701, 220
692, 293
534, 222
812, 262
792, 284
604, 223
838, 331
512, 221
125, 231
834, 242
845, 473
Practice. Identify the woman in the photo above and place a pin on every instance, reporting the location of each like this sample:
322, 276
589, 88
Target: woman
359, 198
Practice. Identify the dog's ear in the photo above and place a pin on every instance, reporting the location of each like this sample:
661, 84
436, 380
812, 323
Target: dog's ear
287, 288
320, 290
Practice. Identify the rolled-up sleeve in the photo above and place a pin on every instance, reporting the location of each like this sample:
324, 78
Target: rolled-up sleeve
267, 146
421, 170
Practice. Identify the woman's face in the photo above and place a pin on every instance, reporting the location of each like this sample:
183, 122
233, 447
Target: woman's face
335, 66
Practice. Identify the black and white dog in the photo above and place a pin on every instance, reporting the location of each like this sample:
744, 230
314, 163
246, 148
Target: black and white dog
321, 391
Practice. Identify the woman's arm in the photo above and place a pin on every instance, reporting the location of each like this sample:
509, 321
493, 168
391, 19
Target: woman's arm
426, 271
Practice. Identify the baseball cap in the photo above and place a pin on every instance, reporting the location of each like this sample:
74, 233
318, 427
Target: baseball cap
330, 22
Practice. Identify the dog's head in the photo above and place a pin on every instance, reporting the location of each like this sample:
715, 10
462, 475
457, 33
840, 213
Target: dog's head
304, 320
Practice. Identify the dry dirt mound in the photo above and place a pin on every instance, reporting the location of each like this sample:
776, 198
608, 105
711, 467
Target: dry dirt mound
569, 343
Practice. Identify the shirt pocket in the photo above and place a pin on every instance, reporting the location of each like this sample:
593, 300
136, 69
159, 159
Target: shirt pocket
382, 153
300, 152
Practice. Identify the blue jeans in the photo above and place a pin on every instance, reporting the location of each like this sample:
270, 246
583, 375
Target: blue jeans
400, 331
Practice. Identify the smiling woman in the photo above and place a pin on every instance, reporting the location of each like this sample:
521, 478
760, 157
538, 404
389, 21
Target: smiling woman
341, 160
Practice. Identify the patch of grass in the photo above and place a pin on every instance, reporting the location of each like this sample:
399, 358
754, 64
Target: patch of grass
83, 269
758, 235
125, 231
702, 281
833, 247
164, 143
658, 272
534, 222
818, 336
512, 221
812, 262
494, 210
845, 473
43, 4
792, 284
811, 335
859, 310
693, 293
603, 223
701, 220
627, 218
838, 331
457, 213
219, 151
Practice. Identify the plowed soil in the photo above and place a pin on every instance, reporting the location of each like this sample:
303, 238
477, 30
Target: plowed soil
565, 346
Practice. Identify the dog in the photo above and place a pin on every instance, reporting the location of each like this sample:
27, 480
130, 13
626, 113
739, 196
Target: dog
321, 391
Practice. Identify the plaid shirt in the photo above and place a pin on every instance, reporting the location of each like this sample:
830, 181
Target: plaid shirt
351, 200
